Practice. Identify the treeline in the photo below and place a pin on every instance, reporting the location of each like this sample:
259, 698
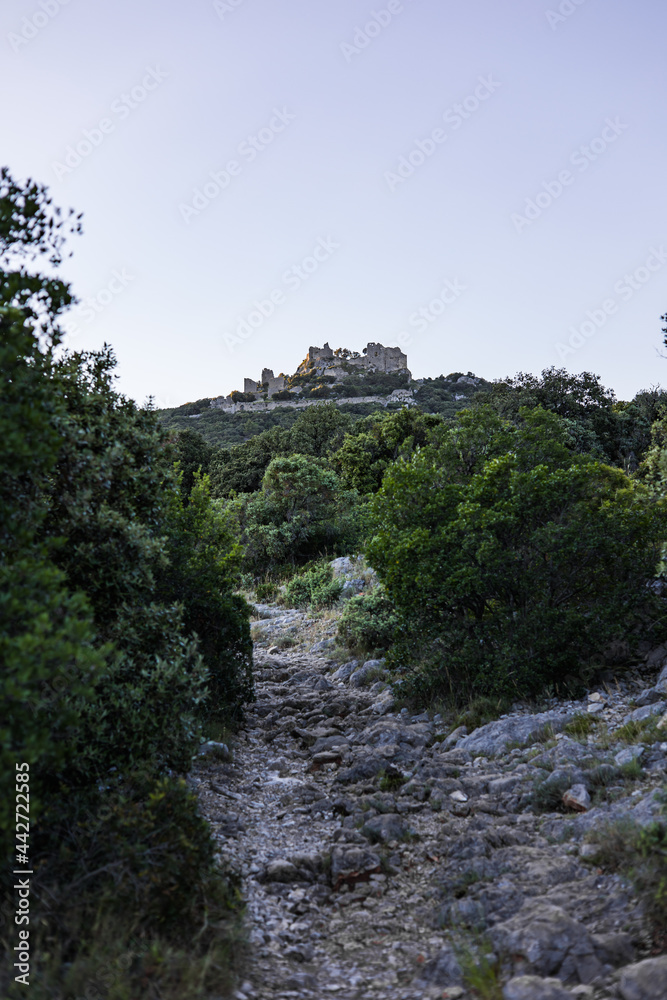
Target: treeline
123, 645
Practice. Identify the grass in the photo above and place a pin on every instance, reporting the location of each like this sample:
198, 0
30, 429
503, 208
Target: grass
581, 725
118, 965
391, 781
480, 711
645, 731
480, 971
640, 854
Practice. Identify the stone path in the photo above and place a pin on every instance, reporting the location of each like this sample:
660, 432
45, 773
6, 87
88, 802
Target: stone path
383, 857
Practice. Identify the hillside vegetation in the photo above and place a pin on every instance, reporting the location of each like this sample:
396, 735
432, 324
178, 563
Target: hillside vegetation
516, 538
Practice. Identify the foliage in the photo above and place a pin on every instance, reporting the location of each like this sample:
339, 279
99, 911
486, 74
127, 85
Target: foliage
517, 558
194, 455
640, 853
368, 623
301, 512
314, 588
106, 573
204, 560
374, 443
615, 432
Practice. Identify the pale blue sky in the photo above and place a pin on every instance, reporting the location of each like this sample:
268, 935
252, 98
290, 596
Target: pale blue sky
316, 104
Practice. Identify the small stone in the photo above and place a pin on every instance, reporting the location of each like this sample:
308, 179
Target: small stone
595, 707
595, 696
577, 798
458, 796
535, 988
280, 870
628, 755
589, 852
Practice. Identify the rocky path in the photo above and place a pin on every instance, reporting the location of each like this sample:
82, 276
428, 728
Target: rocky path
384, 857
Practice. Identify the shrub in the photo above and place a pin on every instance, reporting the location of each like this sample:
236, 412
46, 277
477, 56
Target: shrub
315, 588
368, 623
514, 557
641, 855
301, 512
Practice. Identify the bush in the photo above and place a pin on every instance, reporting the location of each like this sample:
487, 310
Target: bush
118, 620
641, 855
302, 512
314, 588
512, 559
368, 623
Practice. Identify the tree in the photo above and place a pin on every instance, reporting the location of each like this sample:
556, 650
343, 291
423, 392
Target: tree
377, 441
302, 511
512, 566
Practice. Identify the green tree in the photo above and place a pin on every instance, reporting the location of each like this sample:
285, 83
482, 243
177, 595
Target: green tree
194, 455
377, 441
302, 511
512, 564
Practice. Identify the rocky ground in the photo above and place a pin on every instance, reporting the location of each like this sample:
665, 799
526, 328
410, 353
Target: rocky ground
384, 856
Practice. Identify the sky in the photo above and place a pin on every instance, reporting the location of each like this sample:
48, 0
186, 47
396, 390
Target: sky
481, 182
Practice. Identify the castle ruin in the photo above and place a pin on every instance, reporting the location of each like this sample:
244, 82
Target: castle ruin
339, 364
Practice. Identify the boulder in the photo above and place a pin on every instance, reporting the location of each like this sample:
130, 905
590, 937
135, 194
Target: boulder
280, 870
383, 828
351, 864
443, 970
343, 673
661, 684
577, 799
367, 672
543, 940
645, 980
492, 739
628, 755
640, 714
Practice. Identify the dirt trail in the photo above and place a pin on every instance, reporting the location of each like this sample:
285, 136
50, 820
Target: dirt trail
376, 853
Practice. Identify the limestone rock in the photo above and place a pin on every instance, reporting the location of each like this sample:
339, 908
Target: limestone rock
534, 988
351, 864
628, 755
280, 870
443, 970
384, 828
646, 980
577, 798
640, 714
493, 738
542, 939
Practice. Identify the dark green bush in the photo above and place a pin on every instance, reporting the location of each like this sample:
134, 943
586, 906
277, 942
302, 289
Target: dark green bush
302, 512
119, 629
512, 559
368, 623
315, 588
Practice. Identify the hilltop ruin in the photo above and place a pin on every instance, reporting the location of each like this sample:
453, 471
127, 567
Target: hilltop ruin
333, 365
